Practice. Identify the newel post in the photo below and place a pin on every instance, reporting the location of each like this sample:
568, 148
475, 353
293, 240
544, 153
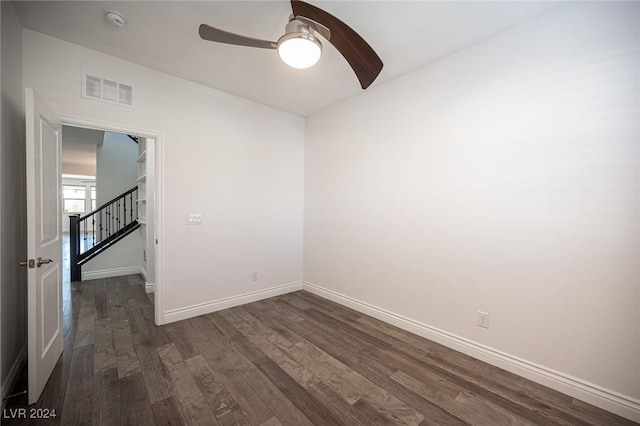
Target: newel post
74, 247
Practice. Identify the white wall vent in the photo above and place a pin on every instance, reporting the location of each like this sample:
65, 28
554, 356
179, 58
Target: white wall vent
92, 87
125, 95
106, 90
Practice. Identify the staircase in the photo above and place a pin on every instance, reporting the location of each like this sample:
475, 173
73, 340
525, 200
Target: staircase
100, 229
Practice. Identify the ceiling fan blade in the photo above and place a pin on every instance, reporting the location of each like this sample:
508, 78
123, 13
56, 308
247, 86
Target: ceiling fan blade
364, 61
221, 36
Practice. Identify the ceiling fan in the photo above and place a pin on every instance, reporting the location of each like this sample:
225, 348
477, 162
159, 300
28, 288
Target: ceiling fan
300, 48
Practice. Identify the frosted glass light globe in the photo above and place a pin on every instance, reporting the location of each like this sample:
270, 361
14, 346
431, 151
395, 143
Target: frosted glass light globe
298, 50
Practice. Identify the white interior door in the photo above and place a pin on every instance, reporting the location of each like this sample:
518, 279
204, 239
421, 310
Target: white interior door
44, 246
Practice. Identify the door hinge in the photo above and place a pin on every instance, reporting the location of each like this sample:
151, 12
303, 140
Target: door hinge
31, 263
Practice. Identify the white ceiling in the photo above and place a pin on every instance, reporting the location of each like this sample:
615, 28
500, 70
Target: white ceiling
164, 36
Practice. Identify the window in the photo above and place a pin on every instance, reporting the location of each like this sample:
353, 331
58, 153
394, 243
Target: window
73, 198
93, 198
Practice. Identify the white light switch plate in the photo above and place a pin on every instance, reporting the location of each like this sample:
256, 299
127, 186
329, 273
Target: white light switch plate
194, 219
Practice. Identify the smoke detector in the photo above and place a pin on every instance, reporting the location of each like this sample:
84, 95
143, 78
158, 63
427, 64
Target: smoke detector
115, 18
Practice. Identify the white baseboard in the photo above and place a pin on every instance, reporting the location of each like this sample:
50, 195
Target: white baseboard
108, 273
606, 399
14, 372
229, 302
149, 287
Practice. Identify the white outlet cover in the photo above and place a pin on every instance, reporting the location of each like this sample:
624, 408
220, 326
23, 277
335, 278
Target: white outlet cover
483, 319
194, 219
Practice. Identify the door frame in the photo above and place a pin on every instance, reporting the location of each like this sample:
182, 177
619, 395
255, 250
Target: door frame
158, 228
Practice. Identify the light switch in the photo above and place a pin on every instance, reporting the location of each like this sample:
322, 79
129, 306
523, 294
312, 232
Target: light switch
194, 219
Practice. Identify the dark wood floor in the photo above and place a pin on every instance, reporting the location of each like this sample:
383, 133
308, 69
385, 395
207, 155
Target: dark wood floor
295, 359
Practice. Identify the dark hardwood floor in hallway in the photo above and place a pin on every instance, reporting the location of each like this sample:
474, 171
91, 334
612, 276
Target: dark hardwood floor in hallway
295, 359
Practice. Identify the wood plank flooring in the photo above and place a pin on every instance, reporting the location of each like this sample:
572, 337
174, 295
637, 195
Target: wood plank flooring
295, 359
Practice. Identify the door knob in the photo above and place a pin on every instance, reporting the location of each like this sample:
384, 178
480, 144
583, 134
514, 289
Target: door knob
42, 261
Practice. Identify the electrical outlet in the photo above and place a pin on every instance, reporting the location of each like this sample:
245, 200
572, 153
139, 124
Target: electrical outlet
483, 319
194, 219
254, 276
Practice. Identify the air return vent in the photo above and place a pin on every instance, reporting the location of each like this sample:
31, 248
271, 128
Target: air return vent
106, 90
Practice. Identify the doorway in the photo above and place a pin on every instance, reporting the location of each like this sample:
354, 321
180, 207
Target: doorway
143, 171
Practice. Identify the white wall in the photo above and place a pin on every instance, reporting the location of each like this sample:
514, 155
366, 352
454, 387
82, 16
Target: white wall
116, 167
123, 258
238, 163
501, 179
116, 173
13, 249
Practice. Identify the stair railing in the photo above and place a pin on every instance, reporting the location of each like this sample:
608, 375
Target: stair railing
96, 231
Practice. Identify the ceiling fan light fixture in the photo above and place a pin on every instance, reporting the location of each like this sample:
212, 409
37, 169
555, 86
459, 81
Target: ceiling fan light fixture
299, 47
299, 50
